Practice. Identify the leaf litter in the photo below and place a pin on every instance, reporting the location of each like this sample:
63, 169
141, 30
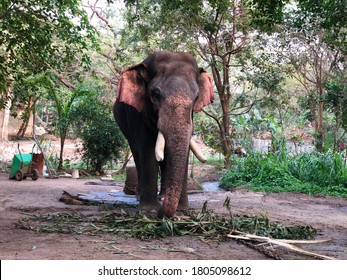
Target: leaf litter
204, 225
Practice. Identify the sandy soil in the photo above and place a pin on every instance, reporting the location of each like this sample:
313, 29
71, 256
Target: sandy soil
326, 214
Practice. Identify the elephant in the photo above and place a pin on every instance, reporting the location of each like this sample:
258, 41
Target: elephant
154, 110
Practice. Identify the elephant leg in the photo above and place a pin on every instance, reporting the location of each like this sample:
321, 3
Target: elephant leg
147, 175
138, 171
142, 143
148, 181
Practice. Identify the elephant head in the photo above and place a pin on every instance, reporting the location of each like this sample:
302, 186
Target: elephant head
154, 108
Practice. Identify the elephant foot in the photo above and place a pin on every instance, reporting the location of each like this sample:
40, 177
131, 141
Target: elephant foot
150, 214
177, 216
169, 212
183, 214
182, 207
149, 209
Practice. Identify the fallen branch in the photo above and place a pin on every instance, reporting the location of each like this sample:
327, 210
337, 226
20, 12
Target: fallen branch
282, 243
70, 199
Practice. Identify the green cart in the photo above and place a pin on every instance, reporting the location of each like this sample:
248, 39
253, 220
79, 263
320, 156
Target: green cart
22, 166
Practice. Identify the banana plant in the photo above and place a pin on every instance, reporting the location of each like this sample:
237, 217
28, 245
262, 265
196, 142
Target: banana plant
66, 101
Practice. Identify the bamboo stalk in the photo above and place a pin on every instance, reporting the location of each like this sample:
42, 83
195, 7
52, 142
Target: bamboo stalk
282, 243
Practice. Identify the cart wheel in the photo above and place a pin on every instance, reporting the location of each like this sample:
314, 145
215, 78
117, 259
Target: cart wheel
35, 175
19, 175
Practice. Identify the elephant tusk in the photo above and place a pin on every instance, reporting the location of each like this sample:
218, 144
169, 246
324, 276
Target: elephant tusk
196, 151
159, 147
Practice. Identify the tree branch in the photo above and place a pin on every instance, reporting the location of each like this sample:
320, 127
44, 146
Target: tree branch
99, 13
111, 80
66, 83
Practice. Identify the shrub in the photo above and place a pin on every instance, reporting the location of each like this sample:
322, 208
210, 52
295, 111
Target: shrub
102, 140
310, 173
323, 169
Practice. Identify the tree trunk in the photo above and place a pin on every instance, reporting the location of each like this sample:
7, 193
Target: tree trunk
225, 133
26, 118
28, 112
320, 108
4, 120
320, 128
223, 89
337, 113
61, 156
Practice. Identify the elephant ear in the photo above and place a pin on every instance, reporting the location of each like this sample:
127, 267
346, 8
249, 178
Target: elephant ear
132, 87
206, 95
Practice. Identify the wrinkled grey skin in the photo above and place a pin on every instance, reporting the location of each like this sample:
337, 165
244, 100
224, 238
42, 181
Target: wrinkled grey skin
160, 94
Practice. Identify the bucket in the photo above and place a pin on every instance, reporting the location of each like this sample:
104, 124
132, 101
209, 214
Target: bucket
75, 174
38, 162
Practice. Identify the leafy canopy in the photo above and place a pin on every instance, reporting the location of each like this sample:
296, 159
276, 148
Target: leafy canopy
39, 34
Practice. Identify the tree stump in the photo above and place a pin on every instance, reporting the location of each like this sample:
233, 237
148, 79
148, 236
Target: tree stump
130, 186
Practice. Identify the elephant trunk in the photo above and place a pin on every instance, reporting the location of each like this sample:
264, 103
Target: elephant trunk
175, 127
175, 180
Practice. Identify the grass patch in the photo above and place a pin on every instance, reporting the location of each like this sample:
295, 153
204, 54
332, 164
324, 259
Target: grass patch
119, 177
309, 173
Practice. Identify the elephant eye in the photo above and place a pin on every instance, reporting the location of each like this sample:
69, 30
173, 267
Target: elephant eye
156, 94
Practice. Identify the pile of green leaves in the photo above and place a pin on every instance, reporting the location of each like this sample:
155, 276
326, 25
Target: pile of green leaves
310, 173
205, 225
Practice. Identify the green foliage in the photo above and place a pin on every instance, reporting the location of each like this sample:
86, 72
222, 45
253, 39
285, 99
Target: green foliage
266, 14
331, 15
324, 169
310, 173
205, 225
65, 102
101, 137
279, 171
39, 34
27, 90
207, 130
336, 99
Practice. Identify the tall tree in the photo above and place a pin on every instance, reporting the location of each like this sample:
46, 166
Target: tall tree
108, 60
328, 15
26, 95
336, 102
314, 53
40, 34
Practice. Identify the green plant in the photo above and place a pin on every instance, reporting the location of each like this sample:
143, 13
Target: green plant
67, 103
101, 138
205, 225
310, 173
323, 169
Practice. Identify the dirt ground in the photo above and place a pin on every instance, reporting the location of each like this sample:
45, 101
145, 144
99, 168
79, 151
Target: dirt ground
326, 214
